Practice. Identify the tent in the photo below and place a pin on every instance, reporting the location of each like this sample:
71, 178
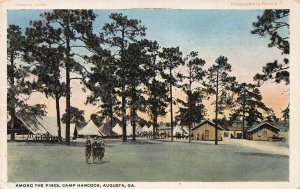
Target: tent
186, 130
117, 129
138, 129
63, 130
129, 130
150, 129
50, 124
31, 123
147, 129
90, 130
178, 129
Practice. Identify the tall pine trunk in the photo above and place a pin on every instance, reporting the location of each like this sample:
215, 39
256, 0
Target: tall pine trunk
189, 101
68, 90
171, 105
217, 109
58, 117
124, 136
134, 117
13, 106
133, 123
244, 104
154, 125
111, 120
123, 91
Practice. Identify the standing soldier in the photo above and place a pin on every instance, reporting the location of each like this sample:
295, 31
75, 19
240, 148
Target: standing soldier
88, 149
95, 149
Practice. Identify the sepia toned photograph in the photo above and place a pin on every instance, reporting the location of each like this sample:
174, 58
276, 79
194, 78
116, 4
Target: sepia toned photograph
148, 95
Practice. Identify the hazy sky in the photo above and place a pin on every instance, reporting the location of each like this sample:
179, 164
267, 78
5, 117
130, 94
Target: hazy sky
210, 32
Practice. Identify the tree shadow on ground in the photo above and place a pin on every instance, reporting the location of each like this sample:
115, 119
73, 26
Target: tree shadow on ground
262, 155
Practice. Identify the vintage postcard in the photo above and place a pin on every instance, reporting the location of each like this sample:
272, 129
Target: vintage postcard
152, 94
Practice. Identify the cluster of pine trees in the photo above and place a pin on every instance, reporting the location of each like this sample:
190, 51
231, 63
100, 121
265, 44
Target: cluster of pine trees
123, 72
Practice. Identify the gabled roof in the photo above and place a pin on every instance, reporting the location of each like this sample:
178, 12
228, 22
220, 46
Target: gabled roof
254, 127
235, 128
209, 122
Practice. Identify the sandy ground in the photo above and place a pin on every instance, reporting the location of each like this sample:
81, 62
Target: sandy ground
148, 160
269, 147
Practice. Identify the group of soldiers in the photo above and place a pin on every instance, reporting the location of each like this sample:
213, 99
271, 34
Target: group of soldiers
95, 148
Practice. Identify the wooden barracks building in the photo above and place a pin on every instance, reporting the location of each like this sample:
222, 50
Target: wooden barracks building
261, 131
206, 131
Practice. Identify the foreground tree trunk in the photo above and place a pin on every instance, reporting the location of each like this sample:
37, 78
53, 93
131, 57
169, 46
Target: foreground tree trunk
13, 106
124, 136
171, 105
68, 95
217, 109
58, 117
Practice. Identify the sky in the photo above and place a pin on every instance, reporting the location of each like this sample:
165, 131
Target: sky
210, 32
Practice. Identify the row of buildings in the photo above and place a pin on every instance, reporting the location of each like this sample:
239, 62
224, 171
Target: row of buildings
205, 131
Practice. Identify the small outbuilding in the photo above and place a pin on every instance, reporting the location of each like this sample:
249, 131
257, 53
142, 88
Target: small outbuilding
206, 131
261, 131
235, 131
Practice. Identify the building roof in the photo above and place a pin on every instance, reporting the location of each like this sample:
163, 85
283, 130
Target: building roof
254, 127
235, 128
209, 122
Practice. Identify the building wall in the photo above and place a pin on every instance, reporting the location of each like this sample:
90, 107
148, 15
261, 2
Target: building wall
199, 133
262, 133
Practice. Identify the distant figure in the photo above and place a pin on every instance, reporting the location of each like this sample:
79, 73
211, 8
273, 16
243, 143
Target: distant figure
88, 150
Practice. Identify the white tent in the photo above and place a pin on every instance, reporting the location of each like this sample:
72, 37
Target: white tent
129, 130
63, 130
32, 124
186, 130
145, 129
178, 129
138, 129
90, 130
50, 125
117, 129
150, 129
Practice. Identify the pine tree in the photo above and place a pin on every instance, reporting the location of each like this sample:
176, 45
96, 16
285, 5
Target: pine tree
274, 24
156, 89
248, 105
171, 58
119, 34
18, 79
45, 55
220, 84
76, 31
193, 110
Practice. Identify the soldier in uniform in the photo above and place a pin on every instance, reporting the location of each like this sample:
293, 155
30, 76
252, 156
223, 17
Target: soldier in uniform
88, 149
